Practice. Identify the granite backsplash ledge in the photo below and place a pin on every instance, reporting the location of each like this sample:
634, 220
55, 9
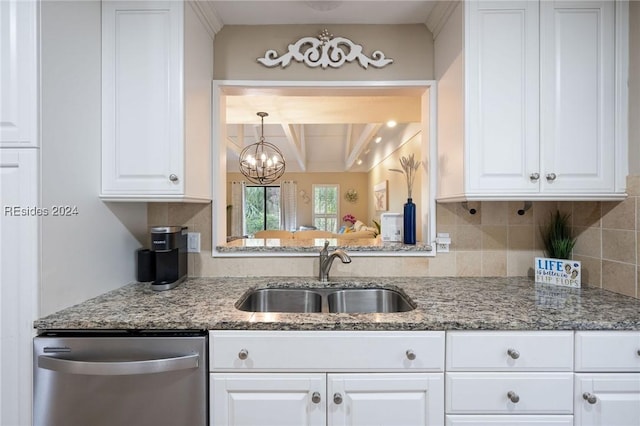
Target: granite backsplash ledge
441, 304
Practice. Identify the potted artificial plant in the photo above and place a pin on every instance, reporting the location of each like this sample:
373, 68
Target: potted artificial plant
556, 268
558, 242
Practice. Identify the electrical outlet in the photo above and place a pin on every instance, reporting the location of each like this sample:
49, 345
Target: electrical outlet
442, 242
442, 248
193, 242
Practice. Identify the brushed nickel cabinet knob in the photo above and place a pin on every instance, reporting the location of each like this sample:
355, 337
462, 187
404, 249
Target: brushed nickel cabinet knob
513, 397
337, 398
315, 398
590, 398
410, 354
243, 354
173, 178
534, 176
513, 353
551, 177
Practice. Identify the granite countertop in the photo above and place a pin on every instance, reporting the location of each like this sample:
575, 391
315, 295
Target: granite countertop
276, 245
441, 304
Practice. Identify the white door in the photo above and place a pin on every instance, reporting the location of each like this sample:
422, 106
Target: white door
385, 399
503, 95
18, 280
577, 71
607, 399
142, 98
268, 399
18, 73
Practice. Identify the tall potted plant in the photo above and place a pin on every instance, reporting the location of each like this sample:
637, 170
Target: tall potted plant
558, 242
556, 268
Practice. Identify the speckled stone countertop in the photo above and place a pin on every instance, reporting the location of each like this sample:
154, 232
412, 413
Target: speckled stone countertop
276, 245
441, 304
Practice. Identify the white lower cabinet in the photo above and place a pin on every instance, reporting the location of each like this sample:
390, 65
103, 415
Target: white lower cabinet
607, 380
550, 378
275, 399
607, 399
268, 399
279, 378
509, 378
385, 399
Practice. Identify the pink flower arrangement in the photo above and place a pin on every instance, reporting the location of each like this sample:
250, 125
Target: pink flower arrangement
349, 218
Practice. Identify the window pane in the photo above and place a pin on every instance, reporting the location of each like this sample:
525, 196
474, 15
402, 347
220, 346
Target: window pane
273, 207
254, 208
325, 207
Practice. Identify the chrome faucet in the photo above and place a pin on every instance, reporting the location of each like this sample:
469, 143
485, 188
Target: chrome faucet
326, 260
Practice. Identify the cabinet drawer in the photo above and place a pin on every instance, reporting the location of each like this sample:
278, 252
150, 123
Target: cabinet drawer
510, 351
326, 351
608, 351
489, 393
467, 420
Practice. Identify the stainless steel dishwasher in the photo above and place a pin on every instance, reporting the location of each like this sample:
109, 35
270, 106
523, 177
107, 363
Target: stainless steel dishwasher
120, 378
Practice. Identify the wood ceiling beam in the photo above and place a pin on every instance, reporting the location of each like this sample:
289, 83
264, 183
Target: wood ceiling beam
297, 144
365, 136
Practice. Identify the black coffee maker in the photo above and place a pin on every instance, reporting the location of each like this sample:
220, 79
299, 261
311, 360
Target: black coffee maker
165, 264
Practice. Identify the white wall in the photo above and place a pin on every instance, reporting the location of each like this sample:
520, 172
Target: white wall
93, 252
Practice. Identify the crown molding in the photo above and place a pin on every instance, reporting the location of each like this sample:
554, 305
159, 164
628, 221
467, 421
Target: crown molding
208, 15
439, 16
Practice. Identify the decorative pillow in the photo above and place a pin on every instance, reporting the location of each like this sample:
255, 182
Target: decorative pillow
358, 225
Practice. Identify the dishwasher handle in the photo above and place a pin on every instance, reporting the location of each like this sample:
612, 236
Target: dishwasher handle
151, 366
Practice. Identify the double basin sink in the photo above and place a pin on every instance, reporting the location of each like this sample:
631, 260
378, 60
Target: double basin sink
325, 300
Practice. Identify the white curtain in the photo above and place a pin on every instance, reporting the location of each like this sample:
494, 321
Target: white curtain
288, 205
237, 209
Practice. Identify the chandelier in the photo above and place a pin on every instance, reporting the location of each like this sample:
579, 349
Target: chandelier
262, 162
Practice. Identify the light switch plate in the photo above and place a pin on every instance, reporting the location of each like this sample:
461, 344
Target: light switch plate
193, 242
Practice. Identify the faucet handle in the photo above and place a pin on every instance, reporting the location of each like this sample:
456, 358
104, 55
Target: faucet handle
325, 249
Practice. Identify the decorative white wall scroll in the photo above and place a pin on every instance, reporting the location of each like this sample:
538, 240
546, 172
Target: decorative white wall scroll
324, 51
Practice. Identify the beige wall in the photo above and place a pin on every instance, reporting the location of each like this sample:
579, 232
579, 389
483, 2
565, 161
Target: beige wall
397, 188
304, 182
237, 47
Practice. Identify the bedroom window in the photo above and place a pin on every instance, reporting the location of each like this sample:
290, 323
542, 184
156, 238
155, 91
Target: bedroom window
326, 207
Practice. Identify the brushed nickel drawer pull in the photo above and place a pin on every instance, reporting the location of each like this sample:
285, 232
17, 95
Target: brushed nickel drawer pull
410, 354
513, 353
513, 397
243, 354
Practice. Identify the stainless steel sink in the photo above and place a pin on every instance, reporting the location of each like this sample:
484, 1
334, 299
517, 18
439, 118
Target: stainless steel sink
363, 300
282, 300
328, 300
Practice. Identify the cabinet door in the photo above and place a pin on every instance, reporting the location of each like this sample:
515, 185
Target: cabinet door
615, 399
385, 399
503, 95
18, 280
577, 54
18, 73
142, 95
268, 399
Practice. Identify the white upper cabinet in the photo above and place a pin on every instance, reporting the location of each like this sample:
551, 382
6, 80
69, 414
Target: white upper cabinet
157, 68
18, 73
530, 102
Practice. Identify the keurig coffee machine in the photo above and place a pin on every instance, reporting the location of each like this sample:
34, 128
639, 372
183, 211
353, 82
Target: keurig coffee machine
165, 265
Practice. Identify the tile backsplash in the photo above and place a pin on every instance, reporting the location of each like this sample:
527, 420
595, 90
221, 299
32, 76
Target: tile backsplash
495, 241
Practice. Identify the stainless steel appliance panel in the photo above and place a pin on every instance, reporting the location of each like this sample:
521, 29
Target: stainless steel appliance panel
112, 380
